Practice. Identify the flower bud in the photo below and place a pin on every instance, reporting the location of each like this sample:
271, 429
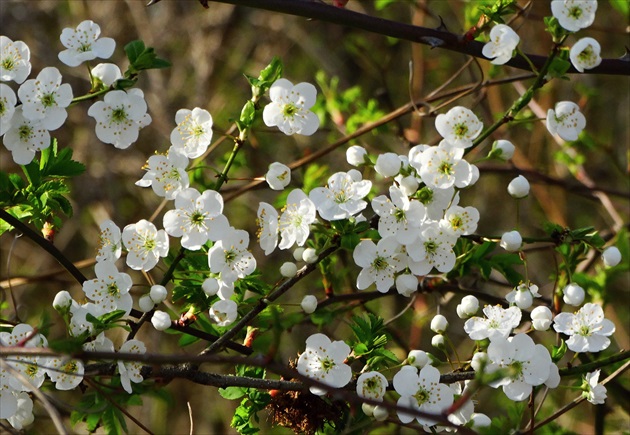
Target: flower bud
158, 293
541, 318
62, 302
523, 299
146, 303
210, 286
438, 341
573, 294
409, 184
418, 358
511, 241
380, 413
309, 255
161, 320
368, 409
388, 164
406, 284
468, 307
439, 324
309, 304
356, 155
611, 256
479, 361
480, 420
288, 269
503, 149
298, 253
519, 187
278, 176
108, 73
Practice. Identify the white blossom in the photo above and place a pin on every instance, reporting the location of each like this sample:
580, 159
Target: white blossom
224, 312
406, 284
130, 370
422, 391
518, 187
498, 323
197, 218
511, 241
310, 255
593, 391
585, 54
443, 166
503, 149
288, 269
418, 358
294, 222
611, 256
541, 318
309, 304
25, 137
380, 263
573, 294
145, 245
278, 176
289, 106
372, 385
267, 221
110, 245
110, 288
83, 43
439, 324
193, 133
460, 220
323, 361
388, 164
66, 373
503, 42
399, 217
166, 174
15, 59
120, 116
468, 307
158, 293
356, 155
230, 257
45, 99
459, 126
434, 248
24, 414
574, 15
161, 320
341, 198
566, 120
587, 329
523, 295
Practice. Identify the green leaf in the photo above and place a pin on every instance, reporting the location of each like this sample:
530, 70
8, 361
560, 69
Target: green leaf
622, 6
232, 393
559, 351
248, 114
271, 72
134, 49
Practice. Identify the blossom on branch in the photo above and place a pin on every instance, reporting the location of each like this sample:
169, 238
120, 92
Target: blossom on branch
25, 137
193, 132
83, 44
566, 120
585, 54
587, 328
323, 361
289, 106
45, 99
503, 41
166, 174
459, 126
15, 59
574, 15
145, 245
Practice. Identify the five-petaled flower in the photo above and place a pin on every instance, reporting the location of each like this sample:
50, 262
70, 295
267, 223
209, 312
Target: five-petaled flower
459, 126
587, 328
83, 43
193, 132
45, 98
566, 120
585, 54
25, 137
110, 288
145, 245
15, 59
593, 391
574, 15
323, 361
380, 263
503, 41
342, 197
289, 106
230, 257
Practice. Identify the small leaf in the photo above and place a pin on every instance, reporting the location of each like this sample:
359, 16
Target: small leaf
232, 393
133, 50
559, 351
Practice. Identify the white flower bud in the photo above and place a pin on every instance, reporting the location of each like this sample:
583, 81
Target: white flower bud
511, 241
161, 320
309, 304
438, 341
388, 164
519, 187
573, 294
409, 185
278, 176
158, 293
356, 155
146, 303
611, 256
309, 255
368, 409
108, 73
380, 413
468, 307
288, 269
62, 302
503, 149
418, 358
480, 420
479, 360
298, 253
355, 175
541, 318
406, 284
439, 324
210, 286
523, 299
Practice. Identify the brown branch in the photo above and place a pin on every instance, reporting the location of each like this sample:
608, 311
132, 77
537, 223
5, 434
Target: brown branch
422, 35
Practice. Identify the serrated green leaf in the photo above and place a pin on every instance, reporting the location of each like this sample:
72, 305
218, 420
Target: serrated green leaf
134, 49
110, 422
232, 393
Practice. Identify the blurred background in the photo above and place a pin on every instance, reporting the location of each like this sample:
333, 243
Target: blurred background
211, 49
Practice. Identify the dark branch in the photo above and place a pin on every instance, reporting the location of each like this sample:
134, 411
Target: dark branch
422, 35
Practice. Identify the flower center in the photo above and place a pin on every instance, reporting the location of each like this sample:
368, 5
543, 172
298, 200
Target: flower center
84, 47
430, 246
326, 364
399, 214
31, 370
197, 130
380, 263
461, 130
3, 107
425, 195
25, 131
8, 63
230, 256
585, 331
112, 289
48, 100
70, 367
457, 222
149, 244
575, 12
197, 218
289, 110
445, 168
119, 115
421, 396
516, 368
